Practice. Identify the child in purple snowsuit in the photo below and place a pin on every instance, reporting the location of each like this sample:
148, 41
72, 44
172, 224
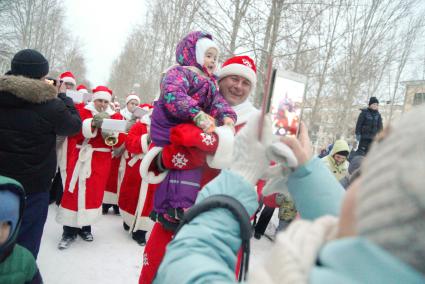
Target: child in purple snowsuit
188, 93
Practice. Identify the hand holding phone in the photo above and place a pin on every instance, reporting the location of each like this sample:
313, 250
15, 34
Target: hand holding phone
284, 102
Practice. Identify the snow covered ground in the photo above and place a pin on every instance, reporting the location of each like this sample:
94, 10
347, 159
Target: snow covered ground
113, 257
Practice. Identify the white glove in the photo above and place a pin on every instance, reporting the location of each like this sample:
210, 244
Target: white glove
249, 154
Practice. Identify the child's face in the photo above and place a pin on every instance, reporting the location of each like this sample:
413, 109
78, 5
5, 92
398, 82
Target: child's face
4, 232
210, 60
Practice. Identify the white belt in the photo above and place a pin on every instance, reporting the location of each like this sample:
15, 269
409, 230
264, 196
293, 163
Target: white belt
82, 170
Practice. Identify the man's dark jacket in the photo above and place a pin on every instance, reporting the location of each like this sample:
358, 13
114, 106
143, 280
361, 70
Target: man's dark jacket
31, 115
368, 124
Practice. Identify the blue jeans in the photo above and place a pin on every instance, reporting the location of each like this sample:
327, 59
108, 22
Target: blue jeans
35, 215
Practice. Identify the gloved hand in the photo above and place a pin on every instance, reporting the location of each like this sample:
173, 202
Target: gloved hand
117, 152
249, 154
98, 119
130, 123
205, 122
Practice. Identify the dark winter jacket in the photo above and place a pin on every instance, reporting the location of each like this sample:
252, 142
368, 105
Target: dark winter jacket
17, 264
31, 115
369, 123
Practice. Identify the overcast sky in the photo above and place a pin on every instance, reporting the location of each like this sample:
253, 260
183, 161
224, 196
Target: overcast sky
102, 26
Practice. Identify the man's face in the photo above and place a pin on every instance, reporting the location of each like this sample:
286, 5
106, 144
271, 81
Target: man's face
339, 159
4, 232
131, 105
101, 105
374, 106
69, 86
235, 89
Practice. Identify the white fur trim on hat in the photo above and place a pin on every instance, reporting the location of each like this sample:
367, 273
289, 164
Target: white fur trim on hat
83, 91
240, 70
202, 45
69, 80
132, 97
102, 96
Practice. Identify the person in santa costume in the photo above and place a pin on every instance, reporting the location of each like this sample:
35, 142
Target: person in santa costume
67, 81
190, 148
135, 195
88, 165
110, 199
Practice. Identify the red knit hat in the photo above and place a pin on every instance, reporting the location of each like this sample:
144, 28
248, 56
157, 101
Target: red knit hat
68, 77
102, 93
146, 106
239, 65
82, 89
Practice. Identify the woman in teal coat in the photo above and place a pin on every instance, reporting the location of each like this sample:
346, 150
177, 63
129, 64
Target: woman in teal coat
378, 237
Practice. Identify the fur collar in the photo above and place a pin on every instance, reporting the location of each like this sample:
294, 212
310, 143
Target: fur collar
30, 90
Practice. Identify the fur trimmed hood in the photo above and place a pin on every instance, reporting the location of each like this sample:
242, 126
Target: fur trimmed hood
30, 90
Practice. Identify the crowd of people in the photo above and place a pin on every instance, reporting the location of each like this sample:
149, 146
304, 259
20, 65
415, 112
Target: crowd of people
190, 169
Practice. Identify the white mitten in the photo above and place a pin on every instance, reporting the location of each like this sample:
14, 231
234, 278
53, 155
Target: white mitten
249, 154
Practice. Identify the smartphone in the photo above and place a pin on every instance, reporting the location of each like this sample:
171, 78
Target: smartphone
51, 81
284, 101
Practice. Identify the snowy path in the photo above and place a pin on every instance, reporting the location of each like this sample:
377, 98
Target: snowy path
113, 257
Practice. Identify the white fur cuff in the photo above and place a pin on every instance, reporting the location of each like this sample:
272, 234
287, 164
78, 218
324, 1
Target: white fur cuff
222, 158
87, 129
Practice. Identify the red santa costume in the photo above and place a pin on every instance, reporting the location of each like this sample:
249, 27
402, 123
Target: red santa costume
118, 163
87, 166
136, 196
190, 149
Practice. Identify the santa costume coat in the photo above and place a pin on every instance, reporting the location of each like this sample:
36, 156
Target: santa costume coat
136, 196
117, 171
88, 166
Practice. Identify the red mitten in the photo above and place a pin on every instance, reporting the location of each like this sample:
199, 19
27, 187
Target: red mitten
182, 158
189, 135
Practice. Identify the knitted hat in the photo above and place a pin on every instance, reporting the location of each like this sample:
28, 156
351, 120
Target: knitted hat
102, 93
132, 97
67, 77
391, 198
82, 89
29, 63
202, 45
239, 65
373, 100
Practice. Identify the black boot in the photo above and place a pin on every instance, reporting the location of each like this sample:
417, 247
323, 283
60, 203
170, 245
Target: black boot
116, 209
68, 236
125, 226
140, 237
85, 233
105, 208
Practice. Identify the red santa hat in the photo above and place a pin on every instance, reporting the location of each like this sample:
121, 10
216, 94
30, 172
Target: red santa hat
132, 97
68, 77
102, 93
146, 106
239, 65
82, 89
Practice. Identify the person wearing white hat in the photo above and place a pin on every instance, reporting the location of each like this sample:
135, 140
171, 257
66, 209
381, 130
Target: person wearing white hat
88, 168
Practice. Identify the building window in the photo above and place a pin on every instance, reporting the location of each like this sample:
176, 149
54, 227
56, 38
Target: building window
419, 99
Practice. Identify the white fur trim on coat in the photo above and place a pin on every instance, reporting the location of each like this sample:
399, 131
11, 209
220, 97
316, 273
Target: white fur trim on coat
223, 155
150, 177
84, 217
144, 143
110, 198
87, 129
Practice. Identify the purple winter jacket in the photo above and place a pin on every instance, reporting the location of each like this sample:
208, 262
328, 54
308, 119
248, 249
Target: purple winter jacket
185, 91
